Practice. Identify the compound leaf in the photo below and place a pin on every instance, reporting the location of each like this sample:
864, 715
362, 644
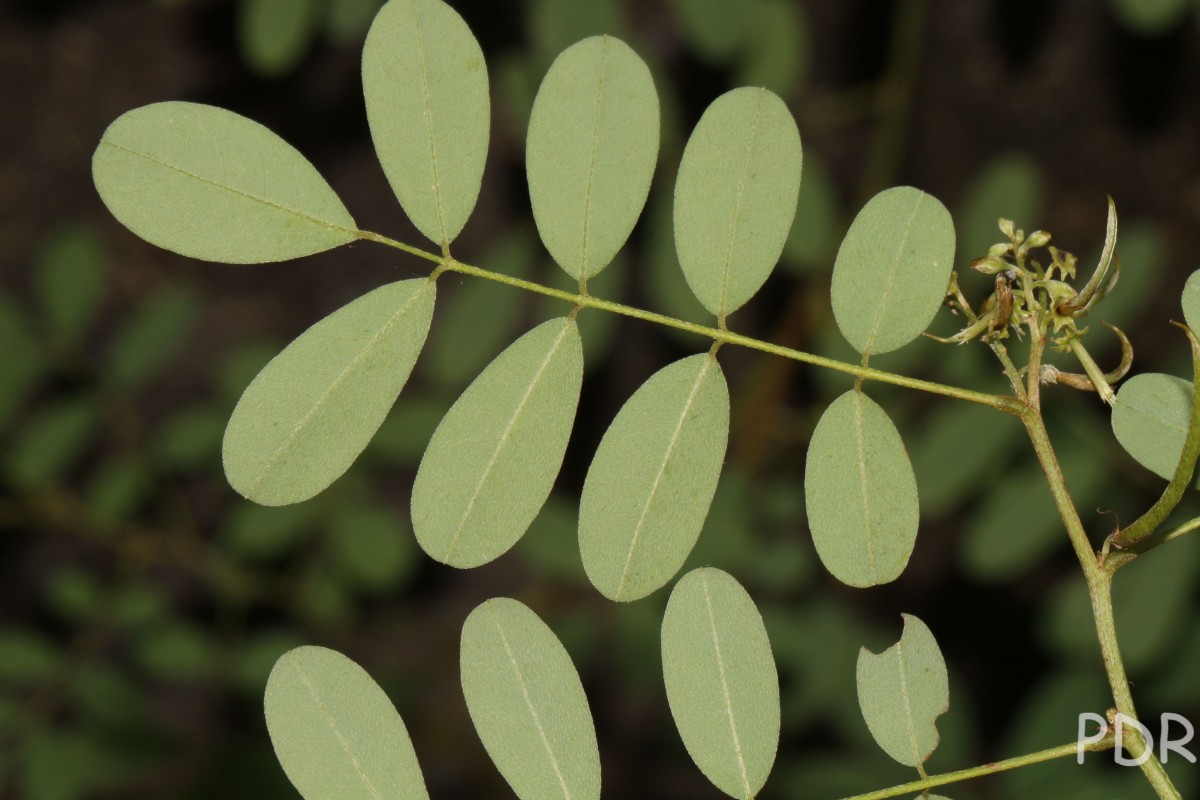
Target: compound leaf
1150, 420
493, 459
650, 484
902, 691
593, 141
735, 196
426, 90
892, 270
213, 185
303, 421
861, 493
721, 680
527, 703
335, 732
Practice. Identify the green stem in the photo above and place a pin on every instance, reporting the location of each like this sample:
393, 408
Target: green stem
1170, 536
1005, 404
934, 781
1099, 583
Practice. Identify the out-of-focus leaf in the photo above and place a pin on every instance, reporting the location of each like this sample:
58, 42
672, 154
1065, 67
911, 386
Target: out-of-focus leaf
477, 316
27, 657
335, 732
1142, 252
348, 20
1150, 418
253, 660
1016, 523
69, 279
861, 493
528, 704
892, 270
138, 607
590, 153
552, 543
306, 417
714, 29
191, 439
322, 600
117, 488
959, 448
903, 691
23, 363
648, 489
552, 25
663, 279
721, 681
107, 695
372, 546
240, 366
213, 185
515, 84
1150, 17
148, 339
426, 89
812, 243
404, 434
274, 35
258, 534
494, 457
178, 652
68, 765
735, 196
53, 441
1009, 186
73, 592
775, 50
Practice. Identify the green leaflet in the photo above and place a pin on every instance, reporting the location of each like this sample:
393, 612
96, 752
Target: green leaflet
590, 154
861, 493
1150, 17
273, 35
335, 732
301, 423
426, 90
493, 459
650, 484
1150, 420
902, 691
735, 196
528, 704
213, 185
70, 278
721, 681
892, 270
1191, 301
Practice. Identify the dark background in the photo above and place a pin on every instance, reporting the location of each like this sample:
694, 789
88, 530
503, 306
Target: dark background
141, 628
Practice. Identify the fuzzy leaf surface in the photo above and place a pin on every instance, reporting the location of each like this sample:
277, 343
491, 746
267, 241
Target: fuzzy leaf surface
593, 141
735, 196
892, 270
902, 691
305, 418
208, 183
527, 703
493, 459
861, 493
335, 732
721, 680
649, 487
426, 89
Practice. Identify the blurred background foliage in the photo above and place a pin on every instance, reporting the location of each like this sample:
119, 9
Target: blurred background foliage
143, 603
